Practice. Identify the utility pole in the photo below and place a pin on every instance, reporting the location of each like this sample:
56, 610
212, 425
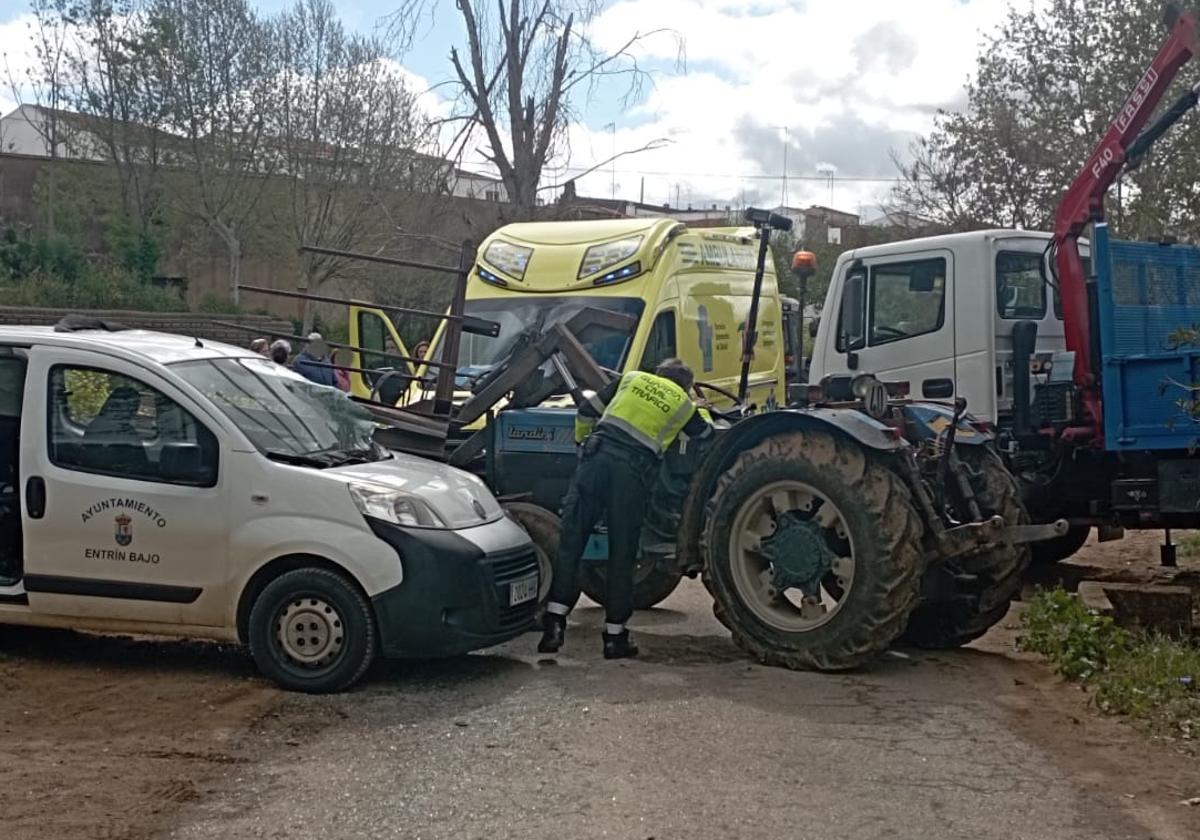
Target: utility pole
783, 189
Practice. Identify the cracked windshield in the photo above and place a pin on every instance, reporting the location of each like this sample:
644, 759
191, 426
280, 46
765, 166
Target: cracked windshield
285, 416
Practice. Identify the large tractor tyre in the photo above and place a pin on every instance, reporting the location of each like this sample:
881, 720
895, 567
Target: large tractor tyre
1048, 552
813, 552
985, 584
545, 529
312, 630
652, 582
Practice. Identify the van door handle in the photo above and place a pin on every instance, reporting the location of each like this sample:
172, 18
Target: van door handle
35, 497
937, 389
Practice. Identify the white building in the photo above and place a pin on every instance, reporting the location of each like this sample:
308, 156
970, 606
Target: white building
30, 130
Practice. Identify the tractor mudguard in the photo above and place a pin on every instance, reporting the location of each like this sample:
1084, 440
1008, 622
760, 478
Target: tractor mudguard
926, 421
719, 454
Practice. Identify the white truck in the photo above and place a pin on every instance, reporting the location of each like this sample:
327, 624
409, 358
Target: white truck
938, 314
153, 483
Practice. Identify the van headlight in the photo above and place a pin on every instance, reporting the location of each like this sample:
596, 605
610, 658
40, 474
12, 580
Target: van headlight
394, 506
599, 257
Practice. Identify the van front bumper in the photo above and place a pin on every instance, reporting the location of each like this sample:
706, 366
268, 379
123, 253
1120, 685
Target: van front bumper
456, 591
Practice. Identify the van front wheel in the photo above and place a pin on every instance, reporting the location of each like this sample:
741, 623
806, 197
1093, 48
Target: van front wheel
312, 630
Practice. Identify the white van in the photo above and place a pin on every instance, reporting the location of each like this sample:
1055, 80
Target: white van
154, 483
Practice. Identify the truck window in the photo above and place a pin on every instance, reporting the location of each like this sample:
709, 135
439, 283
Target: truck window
109, 424
906, 299
1020, 289
660, 346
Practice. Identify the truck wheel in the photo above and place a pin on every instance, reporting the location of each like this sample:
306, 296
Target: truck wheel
813, 552
312, 630
1047, 552
653, 582
545, 529
985, 583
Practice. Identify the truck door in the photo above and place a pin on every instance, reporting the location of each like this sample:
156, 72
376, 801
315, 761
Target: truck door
896, 321
374, 332
124, 513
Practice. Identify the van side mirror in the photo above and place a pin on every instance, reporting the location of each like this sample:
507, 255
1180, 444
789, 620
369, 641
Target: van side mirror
852, 335
813, 326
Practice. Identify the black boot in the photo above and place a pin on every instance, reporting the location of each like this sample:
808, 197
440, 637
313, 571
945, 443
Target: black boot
619, 646
554, 632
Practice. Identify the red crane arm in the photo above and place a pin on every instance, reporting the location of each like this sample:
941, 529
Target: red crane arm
1083, 202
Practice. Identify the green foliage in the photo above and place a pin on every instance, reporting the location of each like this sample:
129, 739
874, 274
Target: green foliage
1143, 676
1079, 642
135, 248
52, 271
22, 254
1048, 81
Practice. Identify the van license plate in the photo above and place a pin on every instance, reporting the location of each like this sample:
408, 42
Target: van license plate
521, 591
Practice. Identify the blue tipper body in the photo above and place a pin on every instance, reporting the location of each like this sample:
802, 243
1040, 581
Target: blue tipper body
1145, 293
545, 431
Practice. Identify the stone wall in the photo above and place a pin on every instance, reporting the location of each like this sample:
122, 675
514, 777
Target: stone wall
200, 325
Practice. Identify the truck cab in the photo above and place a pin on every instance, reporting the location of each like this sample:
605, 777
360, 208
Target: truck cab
680, 293
938, 313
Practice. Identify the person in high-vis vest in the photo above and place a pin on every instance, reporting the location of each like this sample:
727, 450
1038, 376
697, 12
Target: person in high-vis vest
624, 431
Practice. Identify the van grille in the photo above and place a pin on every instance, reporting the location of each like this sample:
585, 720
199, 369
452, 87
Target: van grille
505, 570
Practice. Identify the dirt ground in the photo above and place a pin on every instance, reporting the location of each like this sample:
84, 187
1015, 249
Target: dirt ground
105, 737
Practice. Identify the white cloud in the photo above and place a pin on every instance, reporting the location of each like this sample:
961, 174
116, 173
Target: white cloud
16, 59
850, 79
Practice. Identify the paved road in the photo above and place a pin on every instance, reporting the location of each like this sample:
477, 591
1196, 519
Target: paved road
690, 741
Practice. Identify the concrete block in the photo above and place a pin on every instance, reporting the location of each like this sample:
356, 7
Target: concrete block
1152, 607
1091, 594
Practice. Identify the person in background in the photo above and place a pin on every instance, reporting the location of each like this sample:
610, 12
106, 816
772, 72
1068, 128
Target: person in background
313, 362
261, 346
281, 351
341, 376
421, 349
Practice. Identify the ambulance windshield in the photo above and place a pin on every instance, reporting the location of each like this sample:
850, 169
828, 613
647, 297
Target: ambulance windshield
534, 314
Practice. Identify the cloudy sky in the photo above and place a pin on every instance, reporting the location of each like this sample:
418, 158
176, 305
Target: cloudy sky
847, 82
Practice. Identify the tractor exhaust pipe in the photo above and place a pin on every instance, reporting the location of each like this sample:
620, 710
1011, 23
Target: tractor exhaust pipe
1024, 340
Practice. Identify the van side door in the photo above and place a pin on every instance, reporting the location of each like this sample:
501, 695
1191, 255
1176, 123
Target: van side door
125, 512
896, 320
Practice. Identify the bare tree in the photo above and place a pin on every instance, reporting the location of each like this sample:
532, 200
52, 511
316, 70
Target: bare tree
46, 87
348, 132
124, 99
220, 59
524, 64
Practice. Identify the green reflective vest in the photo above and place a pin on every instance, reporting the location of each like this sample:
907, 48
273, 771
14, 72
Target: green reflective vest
650, 409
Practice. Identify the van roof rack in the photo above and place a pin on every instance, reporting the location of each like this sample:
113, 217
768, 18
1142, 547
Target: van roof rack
79, 323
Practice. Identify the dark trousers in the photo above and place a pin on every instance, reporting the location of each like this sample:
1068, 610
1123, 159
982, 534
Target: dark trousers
610, 482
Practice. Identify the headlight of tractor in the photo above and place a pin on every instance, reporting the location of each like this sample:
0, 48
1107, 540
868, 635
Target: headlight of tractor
599, 257
394, 506
509, 258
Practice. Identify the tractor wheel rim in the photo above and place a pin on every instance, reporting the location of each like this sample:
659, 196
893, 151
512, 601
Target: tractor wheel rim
754, 580
310, 632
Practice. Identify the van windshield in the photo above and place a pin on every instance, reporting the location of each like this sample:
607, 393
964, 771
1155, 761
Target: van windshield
535, 313
285, 416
